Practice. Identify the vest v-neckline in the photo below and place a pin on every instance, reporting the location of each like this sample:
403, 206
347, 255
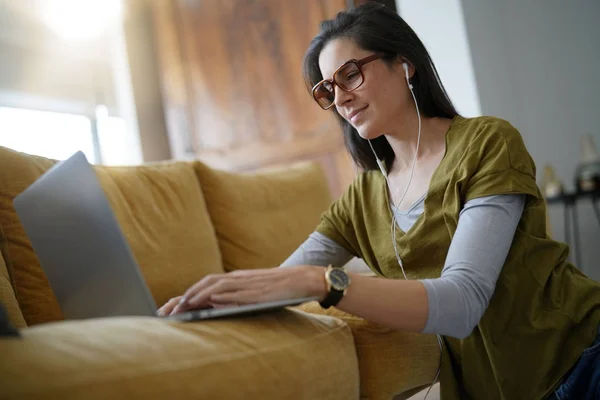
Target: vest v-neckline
412, 206
419, 219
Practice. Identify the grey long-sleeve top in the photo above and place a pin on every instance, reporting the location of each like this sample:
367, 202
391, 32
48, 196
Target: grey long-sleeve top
459, 297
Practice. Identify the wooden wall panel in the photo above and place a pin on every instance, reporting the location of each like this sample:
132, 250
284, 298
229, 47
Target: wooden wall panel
233, 88
173, 81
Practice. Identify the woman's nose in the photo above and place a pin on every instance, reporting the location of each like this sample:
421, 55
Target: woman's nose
341, 96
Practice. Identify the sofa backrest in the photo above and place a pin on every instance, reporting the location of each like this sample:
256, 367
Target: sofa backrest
161, 211
260, 218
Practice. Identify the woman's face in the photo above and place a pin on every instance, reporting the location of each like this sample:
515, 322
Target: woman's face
380, 104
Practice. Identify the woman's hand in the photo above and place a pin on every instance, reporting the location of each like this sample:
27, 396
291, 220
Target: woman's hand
250, 286
168, 307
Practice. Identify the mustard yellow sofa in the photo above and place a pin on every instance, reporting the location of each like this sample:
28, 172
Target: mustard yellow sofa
184, 220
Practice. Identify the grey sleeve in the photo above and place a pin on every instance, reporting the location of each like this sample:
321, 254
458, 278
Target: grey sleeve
319, 250
485, 231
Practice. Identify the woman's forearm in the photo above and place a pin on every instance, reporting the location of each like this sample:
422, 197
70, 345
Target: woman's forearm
398, 304
453, 304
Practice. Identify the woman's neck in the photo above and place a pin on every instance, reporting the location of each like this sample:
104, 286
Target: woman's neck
404, 142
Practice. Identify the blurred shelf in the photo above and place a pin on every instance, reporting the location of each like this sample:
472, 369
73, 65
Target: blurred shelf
569, 201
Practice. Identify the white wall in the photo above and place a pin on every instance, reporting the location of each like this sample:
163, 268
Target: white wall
536, 63
533, 62
440, 26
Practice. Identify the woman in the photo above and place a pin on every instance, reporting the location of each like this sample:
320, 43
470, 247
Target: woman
449, 211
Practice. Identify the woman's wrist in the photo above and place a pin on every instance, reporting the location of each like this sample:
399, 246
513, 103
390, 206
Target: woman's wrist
318, 284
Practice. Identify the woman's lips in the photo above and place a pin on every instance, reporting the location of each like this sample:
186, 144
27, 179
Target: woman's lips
354, 115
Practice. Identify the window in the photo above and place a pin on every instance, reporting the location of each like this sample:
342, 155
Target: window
57, 98
59, 135
47, 134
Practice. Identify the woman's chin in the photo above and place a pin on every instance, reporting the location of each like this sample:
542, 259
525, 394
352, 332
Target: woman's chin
366, 134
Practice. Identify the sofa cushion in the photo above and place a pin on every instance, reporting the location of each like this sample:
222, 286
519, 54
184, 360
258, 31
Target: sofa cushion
35, 297
163, 215
284, 355
160, 209
391, 363
7, 294
261, 218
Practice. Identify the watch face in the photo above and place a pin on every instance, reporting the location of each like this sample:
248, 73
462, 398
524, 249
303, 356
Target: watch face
339, 279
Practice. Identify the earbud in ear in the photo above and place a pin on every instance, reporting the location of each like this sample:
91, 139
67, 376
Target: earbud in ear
405, 66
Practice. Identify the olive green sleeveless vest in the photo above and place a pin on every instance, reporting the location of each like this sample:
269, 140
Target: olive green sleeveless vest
544, 311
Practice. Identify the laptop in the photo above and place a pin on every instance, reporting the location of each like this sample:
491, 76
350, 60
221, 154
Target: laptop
84, 254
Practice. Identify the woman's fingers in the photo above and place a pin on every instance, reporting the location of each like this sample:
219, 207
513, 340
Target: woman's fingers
212, 279
168, 307
249, 286
198, 295
224, 284
203, 283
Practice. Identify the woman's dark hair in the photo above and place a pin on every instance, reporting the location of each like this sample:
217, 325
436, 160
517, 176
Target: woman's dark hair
377, 28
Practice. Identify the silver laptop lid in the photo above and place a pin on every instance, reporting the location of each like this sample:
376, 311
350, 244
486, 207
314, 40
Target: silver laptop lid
82, 250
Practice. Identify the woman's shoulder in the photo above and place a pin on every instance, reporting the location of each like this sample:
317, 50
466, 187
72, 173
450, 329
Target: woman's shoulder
486, 128
492, 142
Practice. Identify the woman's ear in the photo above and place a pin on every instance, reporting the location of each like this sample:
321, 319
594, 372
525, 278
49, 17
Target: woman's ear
407, 68
403, 66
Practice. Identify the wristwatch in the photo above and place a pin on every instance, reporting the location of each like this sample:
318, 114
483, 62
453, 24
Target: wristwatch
337, 284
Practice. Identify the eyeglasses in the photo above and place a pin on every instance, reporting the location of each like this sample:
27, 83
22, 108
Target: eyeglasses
348, 77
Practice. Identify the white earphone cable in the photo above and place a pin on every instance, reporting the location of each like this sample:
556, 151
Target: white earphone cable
394, 219
412, 171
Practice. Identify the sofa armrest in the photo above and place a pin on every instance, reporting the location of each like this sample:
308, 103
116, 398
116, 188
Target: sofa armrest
286, 354
390, 362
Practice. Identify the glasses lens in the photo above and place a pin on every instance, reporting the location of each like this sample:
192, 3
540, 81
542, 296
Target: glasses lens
349, 77
323, 94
